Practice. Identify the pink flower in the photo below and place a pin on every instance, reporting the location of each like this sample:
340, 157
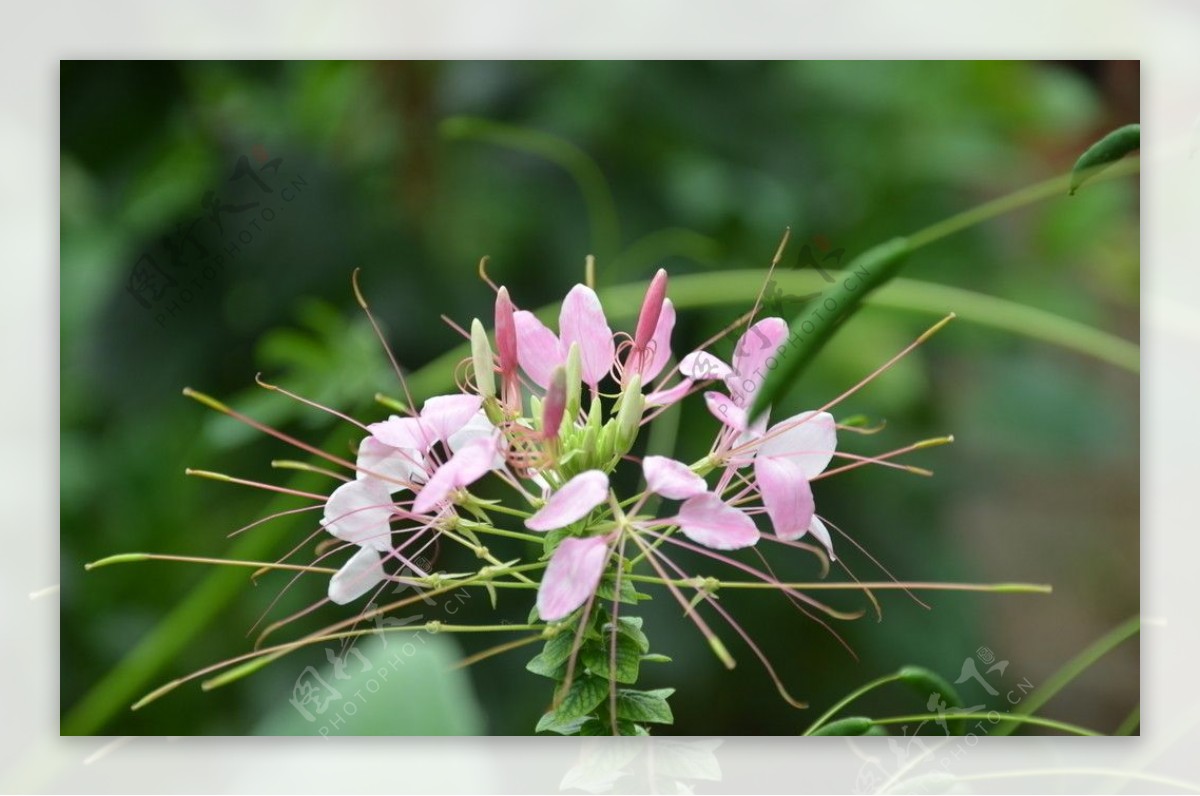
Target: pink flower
791, 453
581, 321
752, 359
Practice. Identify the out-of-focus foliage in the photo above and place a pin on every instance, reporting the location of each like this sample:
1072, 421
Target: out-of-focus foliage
707, 163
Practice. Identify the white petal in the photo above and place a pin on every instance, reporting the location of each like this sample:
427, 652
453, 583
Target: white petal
356, 577
359, 512
808, 440
818, 529
388, 464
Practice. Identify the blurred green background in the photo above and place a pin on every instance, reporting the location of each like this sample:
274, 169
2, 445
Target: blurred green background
212, 214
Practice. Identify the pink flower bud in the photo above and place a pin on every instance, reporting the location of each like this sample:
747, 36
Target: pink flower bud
651, 308
506, 332
555, 403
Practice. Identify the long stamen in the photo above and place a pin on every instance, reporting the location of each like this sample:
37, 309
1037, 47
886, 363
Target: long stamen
362, 302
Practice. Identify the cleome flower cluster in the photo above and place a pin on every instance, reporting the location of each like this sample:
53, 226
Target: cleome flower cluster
536, 418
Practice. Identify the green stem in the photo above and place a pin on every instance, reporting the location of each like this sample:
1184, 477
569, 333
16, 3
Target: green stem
601, 210
1130, 723
1001, 588
1072, 669
1035, 720
1047, 189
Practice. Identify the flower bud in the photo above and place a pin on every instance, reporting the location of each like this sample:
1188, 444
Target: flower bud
574, 380
481, 360
555, 404
506, 333
651, 309
629, 416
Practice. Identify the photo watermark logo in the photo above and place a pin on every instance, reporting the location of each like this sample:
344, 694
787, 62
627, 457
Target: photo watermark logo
167, 278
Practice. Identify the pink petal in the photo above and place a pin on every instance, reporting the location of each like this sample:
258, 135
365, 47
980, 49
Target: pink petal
701, 365
477, 427
582, 321
750, 358
818, 529
672, 479
710, 521
571, 502
572, 576
807, 440
402, 432
724, 409
743, 444
537, 348
786, 494
445, 414
670, 395
660, 344
463, 469
390, 465
356, 577
359, 511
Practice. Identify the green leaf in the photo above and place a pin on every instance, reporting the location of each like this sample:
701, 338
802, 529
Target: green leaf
852, 725
645, 706
595, 727
597, 657
552, 722
584, 696
927, 682
557, 649
631, 627
820, 318
1104, 153
607, 590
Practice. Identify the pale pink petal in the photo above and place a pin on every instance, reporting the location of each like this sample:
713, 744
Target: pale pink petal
571, 502
701, 365
743, 450
356, 577
710, 521
571, 576
477, 427
537, 348
391, 465
670, 395
786, 494
724, 409
402, 432
660, 344
818, 529
463, 469
755, 354
582, 321
359, 511
807, 440
671, 479
445, 414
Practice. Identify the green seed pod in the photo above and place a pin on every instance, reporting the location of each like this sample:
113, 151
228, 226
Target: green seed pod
927, 684
821, 316
1104, 153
